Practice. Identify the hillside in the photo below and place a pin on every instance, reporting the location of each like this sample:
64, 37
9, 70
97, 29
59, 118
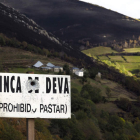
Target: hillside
78, 23
90, 114
95, 115
16, 25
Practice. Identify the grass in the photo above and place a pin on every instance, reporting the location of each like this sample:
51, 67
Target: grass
103, 58
131, 64
14, 57
132, 50
117, 58
133, 59
76, 84
109, 107
98, 51
117, 91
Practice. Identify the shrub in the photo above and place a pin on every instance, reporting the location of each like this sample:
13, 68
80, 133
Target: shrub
125, 104
74, 90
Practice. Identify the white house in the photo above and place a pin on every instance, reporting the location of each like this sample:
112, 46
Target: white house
38, 64
74, 69
57, 68
79, 73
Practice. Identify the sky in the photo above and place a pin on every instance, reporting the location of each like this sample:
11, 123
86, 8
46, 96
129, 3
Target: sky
129, 8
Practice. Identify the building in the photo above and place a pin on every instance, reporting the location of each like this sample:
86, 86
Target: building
57, 68
50, 65
38, 64
46, 68
74, 69
79, 73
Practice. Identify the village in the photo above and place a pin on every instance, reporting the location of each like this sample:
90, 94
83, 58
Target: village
51, 67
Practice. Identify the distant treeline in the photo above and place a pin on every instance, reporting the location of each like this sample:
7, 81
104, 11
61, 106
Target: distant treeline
118, 54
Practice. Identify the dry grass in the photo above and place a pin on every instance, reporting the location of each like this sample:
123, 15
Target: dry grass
109, 107
14, 57
118, 91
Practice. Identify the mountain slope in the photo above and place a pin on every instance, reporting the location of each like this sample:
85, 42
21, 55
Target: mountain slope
16, 25
75, 21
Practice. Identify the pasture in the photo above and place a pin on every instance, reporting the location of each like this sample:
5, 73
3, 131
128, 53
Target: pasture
99, 51
131, 63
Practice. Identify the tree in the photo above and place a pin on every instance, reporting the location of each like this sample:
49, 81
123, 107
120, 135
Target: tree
74, 90
125, 104
66, 69
2, 41
24, 44
108, 92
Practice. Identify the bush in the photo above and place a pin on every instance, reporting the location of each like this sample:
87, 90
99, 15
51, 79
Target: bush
125, 104
77, 103
74, 90
8, 132
95, 95
92, 93
115, 124
80, 115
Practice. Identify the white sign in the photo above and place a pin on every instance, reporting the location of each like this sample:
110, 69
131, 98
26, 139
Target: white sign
35, 96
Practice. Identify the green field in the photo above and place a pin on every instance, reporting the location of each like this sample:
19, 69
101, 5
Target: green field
117, 58
132, 50
103, 58
133, 59
98, 51
131, 63
131, 66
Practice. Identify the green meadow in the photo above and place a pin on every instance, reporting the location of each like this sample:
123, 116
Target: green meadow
130, 63
132, 50
99, 51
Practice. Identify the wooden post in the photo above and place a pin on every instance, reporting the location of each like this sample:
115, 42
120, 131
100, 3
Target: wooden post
30, 125
30, 129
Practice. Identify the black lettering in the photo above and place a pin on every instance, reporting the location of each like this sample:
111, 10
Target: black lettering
48, 85
11, 84
54, 85
41, 107
28, 107
60, 84
37, 91
5, 107
9, 107
21, 107
57, 109
66, 88
6, 83
54, 107
50, 108
62, 108
0, 83
18, 85
45, 108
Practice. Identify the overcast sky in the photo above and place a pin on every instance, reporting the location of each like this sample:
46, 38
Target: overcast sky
127, 7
